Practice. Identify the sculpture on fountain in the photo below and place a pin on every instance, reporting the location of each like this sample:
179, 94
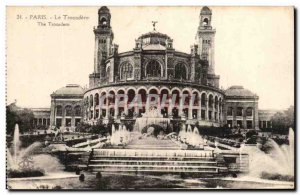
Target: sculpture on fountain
152, 117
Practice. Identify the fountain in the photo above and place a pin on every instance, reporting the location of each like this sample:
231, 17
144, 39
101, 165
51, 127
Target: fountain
120, 136
279, 160
23, 162
153, 116
192, 136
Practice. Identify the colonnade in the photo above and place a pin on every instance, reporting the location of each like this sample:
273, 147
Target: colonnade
133, 102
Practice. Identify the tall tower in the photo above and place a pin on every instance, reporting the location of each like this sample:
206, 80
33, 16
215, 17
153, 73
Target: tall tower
103, 41
206, 38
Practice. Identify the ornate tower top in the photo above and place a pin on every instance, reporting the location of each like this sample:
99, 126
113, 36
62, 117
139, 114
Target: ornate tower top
205, 11
104, 17
103, 44
205, 18
206, 38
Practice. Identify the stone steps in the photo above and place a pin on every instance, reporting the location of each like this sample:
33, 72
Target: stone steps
152, 161
153, 164
166, 147
161, 169
94, 163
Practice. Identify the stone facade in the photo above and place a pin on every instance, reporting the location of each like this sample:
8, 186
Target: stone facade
265, 117
66, 107
154, 66
41, 118
241, 108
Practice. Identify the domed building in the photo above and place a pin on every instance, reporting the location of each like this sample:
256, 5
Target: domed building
185, 88
241, 108
66, 107
154, 66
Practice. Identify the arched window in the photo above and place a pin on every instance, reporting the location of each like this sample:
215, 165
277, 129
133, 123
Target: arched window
96, 99
58, 110
203, 99
210, 101
108, 72
180, 71
216, 103
153, 69
68, 110
103, 21
77, 111
205, 21
86, 101
249, 111
126, 71
91, 101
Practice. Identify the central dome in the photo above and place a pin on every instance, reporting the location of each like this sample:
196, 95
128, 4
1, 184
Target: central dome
154, 34
70, 89
155, 41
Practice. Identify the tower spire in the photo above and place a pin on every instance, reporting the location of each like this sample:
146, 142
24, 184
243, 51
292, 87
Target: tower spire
206, 38
103, 45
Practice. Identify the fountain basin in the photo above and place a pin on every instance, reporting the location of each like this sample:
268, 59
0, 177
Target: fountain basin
25, 173
276, 176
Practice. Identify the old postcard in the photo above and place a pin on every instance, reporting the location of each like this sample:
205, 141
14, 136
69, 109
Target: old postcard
150, 98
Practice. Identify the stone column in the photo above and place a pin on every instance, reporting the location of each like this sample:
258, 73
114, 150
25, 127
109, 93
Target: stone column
99, 105
213, 111
190, 112
255, 115
147, 102
218, 112
206, 113
180, 106
126, 104
170, 105
73, 118
199, 109
244, 117
63, 118
116, 107
106, 107
158, 104
93, 108
221, 112
234, 122
52, 113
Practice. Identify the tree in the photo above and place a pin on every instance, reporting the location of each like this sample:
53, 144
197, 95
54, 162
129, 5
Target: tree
282, 121
100, 128
22, 117
11, 118
290, 117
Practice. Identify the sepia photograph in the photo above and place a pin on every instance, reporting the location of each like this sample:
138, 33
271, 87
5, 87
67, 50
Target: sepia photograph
119, 98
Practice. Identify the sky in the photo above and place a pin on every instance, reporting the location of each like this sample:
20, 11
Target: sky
254, 47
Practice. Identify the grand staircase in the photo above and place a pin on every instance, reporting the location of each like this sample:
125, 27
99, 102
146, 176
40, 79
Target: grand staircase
151, 155
153, 143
